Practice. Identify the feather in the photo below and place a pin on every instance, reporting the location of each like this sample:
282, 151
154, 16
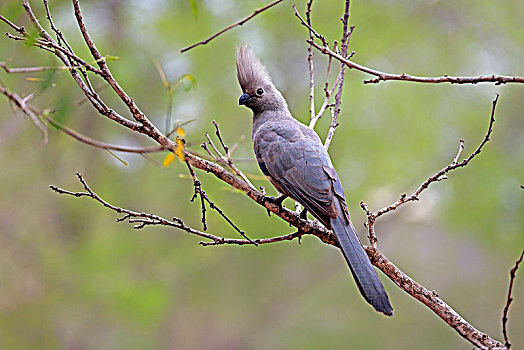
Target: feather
250, 71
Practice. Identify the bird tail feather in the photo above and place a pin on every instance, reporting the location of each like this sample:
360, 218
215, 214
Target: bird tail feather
363, 272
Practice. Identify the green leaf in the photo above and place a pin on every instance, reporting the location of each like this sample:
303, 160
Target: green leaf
32, 37
124, 163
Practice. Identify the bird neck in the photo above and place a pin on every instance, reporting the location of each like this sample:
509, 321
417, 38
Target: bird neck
268, 116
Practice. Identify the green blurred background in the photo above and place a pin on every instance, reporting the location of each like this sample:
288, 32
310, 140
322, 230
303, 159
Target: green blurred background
70, 277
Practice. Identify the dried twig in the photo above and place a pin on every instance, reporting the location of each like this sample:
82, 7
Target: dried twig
18, 29
3, 65
239, 23
512, 275
103, 145
308, 26
439, 176
344, 44
382, 76
310, 63
59, 36
21, 103
198, 192
328, 93
38, 117
143, 219
427, 297
204, 198
224, 158
454, 165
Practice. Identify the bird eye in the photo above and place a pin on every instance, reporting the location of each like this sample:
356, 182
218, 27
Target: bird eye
260, 91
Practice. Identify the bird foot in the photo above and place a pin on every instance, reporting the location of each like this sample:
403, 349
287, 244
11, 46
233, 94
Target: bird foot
303, 214
275, 200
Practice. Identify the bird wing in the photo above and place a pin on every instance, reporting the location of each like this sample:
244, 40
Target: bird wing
293, 156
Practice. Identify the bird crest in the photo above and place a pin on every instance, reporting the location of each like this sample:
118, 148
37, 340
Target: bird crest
250, 71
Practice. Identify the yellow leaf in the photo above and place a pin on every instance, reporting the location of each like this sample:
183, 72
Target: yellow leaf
180, 132
168, 159
179, 150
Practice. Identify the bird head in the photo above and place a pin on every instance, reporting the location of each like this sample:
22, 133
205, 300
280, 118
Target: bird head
259, 93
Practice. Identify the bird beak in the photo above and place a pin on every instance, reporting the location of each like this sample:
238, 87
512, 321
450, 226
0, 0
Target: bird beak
245, 98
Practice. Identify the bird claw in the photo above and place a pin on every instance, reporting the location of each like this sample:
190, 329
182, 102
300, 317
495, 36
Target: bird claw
275, 200
303, 214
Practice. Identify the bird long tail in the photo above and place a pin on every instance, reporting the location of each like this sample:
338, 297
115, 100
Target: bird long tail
363, 272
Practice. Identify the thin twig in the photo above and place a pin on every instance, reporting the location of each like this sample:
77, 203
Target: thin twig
38, 116
21, 103
287, 237
141, 217
59, 37
145, 126
344, 45
99, 144
238, 23
308, 26
198, 192
60, 52
14, 37
512, 275
62, 42
461, 148
18, 29
217, 132
328, 93
204, 198
382, 76
225, 158
439, 176
346, 36
310, 64
3, 65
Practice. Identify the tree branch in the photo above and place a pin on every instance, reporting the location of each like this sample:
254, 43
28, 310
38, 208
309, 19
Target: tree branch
310, 62
103, 145
143, 219
439, 176
382, 76
21, 103
239, 23
432, 301
344, 44
512, 275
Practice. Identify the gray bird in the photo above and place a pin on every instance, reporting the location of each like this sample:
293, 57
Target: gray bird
292, 156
